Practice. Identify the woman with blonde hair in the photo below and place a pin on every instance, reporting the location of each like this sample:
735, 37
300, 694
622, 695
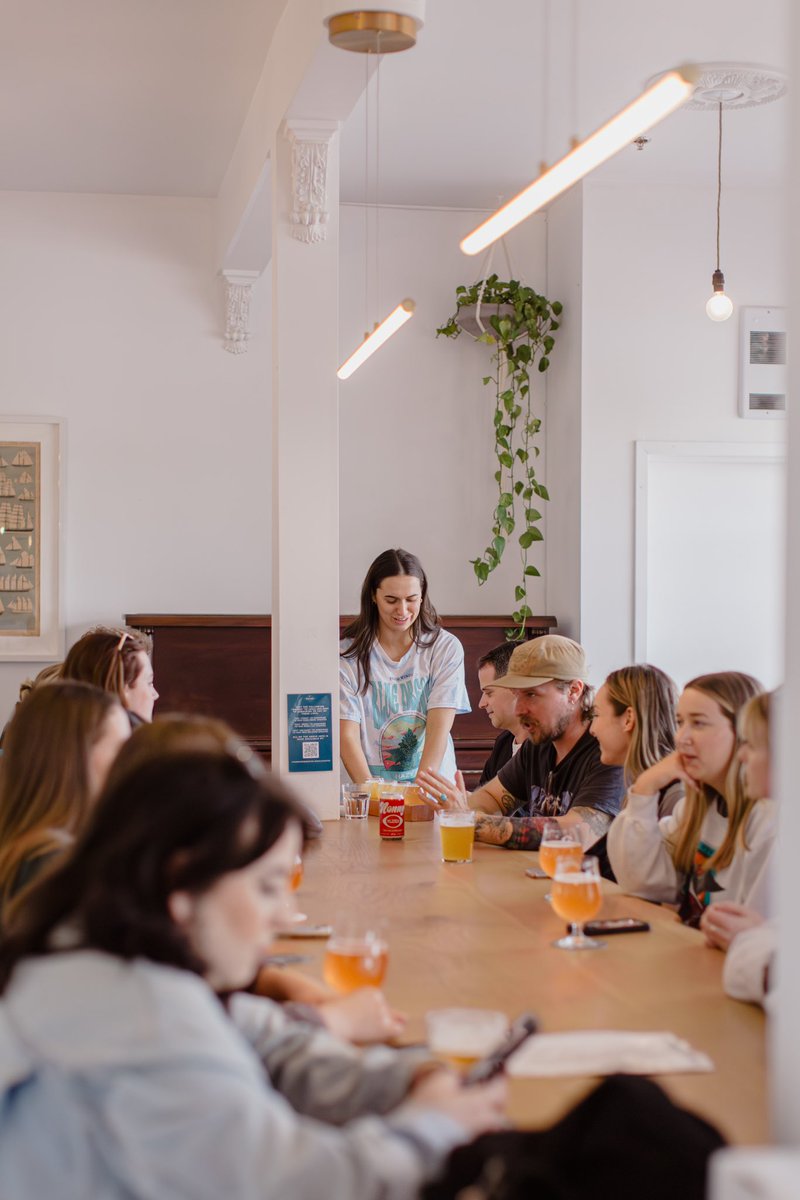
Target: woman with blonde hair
634, 722
118, 661
714, 844
57, 753
741, 929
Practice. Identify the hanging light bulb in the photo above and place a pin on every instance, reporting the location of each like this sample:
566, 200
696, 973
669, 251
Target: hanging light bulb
719, 306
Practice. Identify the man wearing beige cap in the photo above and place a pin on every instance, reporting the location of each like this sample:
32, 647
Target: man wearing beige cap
557, 772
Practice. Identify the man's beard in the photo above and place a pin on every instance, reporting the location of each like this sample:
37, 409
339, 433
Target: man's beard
541, 735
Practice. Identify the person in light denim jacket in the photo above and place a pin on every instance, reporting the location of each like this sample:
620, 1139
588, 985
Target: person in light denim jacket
128, 1066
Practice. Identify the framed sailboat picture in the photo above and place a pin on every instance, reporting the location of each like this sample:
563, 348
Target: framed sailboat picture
30, 485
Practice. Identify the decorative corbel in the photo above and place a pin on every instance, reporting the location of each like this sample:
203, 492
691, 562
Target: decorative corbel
309, 141
238, 289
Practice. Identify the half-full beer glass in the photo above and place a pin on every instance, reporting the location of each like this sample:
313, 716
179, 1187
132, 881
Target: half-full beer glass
577, 897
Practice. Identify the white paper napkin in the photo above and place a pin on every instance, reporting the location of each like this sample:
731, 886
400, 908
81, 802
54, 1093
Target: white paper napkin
605, 1052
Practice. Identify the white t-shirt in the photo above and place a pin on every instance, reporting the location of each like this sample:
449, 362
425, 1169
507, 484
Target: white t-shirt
393, 711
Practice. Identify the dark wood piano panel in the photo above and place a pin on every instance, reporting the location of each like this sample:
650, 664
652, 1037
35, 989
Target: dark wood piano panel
221, 666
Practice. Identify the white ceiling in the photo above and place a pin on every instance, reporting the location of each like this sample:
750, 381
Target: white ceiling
463, 115
148, 96
140, 96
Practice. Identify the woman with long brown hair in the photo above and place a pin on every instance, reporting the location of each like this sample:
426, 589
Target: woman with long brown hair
362, 1017
132, 1066
118, 661
401, 678
634, 722
58, 749
714, 845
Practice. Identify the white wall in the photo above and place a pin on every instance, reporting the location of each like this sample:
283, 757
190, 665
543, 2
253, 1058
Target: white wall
655, 368
417, 465
111, 317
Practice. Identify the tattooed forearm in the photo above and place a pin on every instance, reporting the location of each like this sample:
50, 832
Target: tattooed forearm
594, 824
496, 830
508, 803
526, 833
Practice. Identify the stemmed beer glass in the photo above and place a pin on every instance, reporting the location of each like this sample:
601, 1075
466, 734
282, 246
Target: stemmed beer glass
577, 897
560, 843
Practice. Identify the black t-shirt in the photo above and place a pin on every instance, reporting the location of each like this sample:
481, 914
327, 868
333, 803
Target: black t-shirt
544, 788
502, 751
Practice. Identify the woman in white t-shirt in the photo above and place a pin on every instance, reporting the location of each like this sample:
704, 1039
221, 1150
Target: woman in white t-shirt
713, 846
401, 678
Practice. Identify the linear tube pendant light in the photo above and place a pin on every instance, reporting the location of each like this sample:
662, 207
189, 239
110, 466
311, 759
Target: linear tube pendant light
380, 334
372, 30
668, 93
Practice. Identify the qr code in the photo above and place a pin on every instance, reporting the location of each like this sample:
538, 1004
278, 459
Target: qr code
310, 749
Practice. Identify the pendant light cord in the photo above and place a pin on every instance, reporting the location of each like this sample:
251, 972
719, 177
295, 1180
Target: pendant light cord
366, 195
378, 181
719, 178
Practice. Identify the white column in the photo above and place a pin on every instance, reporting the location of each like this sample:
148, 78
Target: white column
563, 423
305, 465
785, 1033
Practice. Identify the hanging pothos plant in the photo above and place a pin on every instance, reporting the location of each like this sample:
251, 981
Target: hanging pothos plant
519, 324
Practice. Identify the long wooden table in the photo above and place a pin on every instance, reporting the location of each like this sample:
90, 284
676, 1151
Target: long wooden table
480, 935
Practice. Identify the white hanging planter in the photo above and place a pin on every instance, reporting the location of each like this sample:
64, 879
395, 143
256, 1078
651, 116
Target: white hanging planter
474, 319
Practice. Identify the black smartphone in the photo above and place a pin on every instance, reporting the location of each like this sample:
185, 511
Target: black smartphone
616, 925
494, 1063
306, 931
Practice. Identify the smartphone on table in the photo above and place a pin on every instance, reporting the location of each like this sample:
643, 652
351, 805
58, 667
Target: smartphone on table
616, 925
494, 1063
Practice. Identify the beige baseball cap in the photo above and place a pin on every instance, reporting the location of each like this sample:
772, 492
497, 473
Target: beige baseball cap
542, 659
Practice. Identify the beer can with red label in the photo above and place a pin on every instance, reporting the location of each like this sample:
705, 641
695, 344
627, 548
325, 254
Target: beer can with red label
392, 816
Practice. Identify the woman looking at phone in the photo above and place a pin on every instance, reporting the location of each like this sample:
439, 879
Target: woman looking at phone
363, 1016
401, 678
634, 722
714, 844
125, 1052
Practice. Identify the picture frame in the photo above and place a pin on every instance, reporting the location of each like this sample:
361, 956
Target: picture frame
31, 628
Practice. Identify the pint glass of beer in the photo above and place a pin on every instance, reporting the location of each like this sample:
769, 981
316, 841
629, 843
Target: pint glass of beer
357, 956
577, 897
457, 829
460, 1037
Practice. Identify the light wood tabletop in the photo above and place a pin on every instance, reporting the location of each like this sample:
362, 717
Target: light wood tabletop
480, 935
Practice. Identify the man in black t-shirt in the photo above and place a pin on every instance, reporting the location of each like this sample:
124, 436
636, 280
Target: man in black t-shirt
557, 772
500, 708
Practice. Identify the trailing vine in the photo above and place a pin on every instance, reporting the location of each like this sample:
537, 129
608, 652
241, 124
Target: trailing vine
519, 325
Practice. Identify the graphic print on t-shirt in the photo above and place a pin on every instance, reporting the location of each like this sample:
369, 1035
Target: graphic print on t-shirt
697, 889
544, 803
401, 743
401, 724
